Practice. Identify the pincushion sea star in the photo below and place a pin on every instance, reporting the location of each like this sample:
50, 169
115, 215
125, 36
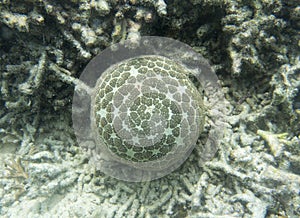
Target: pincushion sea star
147, 112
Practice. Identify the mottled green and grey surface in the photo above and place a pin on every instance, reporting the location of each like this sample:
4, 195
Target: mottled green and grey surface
253, 47
146, 109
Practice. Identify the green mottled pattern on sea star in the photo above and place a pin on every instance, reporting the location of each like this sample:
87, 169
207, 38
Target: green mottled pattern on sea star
147, 106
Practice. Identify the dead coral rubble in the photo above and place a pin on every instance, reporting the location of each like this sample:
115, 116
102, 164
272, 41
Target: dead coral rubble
252, 45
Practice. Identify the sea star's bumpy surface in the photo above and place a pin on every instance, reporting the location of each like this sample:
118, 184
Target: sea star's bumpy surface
147, 109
